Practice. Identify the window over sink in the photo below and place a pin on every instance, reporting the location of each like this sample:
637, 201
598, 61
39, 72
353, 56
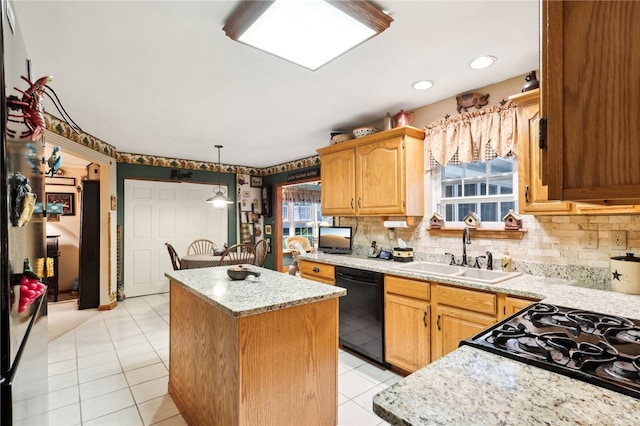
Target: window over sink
487, 188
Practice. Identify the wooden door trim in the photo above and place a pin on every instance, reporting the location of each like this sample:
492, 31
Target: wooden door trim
277, 219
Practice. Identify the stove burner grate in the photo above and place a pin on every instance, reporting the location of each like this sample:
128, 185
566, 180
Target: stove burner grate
596, 348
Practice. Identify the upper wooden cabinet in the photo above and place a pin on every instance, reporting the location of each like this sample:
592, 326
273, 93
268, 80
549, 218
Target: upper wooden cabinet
377, 175
533, 195
590, 87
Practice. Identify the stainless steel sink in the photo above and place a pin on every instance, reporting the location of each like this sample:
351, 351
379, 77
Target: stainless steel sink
486, 276
479, 275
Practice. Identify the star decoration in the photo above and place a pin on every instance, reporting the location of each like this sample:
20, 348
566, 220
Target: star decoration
616, 275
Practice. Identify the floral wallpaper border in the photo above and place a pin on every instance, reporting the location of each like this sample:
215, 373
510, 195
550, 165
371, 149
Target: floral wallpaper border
60, 127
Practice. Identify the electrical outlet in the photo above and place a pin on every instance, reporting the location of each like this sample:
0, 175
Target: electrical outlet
618, 240
590, 240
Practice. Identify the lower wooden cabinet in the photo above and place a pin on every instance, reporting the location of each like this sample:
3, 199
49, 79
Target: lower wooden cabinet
458, 314
425, 321
453, 325
514, 304
407, 323
316, 271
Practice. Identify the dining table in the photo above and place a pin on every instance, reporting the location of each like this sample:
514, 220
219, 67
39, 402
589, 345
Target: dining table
203, 260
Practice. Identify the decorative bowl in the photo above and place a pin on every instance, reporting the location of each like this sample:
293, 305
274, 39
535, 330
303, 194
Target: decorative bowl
364, 131
340, 137
240, 274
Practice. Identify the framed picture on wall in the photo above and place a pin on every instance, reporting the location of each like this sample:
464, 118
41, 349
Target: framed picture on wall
67, 199
267, 229
60, 180
256, 181
266, 201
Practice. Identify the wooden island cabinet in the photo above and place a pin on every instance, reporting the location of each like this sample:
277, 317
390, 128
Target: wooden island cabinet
253, 353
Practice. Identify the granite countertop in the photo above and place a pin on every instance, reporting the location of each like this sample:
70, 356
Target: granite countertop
475, 387
272, 291
550, 290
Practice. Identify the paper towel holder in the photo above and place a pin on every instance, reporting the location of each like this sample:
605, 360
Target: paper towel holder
405, 220
395, 224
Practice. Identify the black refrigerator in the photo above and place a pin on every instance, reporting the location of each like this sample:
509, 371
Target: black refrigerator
23, 328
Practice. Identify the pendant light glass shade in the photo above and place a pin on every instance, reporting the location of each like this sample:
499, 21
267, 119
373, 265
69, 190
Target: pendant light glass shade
219, 199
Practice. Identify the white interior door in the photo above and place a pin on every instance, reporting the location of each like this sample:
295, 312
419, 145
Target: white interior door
164, 212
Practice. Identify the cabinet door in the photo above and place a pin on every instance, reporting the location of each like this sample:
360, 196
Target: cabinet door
590, 99
514, 304
380, 178
407, 340
533, 194
451, 325
338, 183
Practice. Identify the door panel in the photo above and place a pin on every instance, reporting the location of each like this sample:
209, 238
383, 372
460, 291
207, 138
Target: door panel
160, 212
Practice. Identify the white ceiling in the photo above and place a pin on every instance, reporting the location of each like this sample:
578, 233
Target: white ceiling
162, 78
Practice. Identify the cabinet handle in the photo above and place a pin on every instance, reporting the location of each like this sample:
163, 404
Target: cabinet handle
359, 202
542, 133
352, 204
526, 193
438, 323
316, 269
424, 319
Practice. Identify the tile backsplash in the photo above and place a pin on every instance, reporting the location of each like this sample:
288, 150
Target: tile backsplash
553, 246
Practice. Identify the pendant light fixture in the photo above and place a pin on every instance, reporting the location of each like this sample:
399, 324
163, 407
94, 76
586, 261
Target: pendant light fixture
219, 199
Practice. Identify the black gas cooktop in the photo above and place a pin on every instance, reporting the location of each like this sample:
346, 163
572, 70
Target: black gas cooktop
597, 348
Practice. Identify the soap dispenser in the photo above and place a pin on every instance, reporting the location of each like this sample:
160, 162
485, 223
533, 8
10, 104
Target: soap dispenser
505, 261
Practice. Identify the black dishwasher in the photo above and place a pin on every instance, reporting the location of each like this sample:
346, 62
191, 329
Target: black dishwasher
362, 312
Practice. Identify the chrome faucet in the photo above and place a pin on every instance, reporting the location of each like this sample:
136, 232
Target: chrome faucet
466, 239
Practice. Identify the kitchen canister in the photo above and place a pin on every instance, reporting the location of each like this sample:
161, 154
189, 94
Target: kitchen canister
625, 274
388, 122
403, 254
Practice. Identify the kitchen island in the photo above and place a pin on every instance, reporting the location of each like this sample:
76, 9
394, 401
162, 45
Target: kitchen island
471, 386
253, 351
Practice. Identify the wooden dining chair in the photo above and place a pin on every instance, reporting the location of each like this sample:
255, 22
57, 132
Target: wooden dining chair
237, 254
261, 249
175, 259
202, 246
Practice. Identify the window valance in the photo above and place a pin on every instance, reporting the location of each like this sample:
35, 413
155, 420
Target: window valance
301, 194
472, 136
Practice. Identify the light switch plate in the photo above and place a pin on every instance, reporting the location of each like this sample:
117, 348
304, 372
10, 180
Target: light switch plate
618, 240
590, 240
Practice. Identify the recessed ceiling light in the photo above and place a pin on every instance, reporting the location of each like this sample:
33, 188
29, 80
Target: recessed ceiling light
482, 62
422, 84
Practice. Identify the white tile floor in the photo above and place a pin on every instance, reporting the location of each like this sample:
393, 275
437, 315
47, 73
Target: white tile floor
113, 370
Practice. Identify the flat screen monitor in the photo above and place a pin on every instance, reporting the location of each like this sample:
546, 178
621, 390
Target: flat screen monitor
334, 239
